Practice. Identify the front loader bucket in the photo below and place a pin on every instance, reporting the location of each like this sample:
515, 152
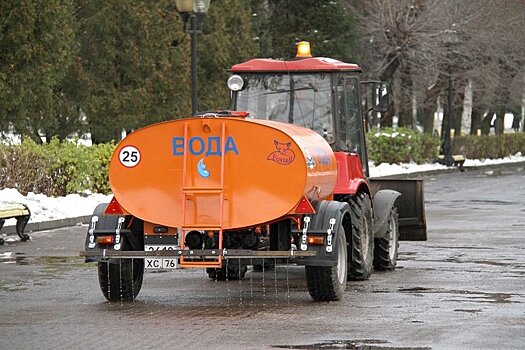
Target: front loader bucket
410, 206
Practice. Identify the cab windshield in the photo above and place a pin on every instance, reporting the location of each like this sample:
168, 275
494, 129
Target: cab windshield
301, 99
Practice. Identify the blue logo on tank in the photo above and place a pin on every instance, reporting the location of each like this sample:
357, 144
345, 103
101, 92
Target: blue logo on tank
201, 169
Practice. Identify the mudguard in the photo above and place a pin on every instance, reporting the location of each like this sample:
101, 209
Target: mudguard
320, 222
383, 202
100, 224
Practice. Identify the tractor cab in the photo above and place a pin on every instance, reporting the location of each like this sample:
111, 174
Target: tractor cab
318, 93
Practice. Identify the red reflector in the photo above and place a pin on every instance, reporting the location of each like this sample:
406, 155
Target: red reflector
105, 240
242, 114
304, 207
113, 208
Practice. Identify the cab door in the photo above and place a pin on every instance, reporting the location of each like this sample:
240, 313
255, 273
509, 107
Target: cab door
350, 126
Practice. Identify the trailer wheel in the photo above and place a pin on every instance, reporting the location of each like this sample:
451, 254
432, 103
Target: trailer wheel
362, 244
234, 270
328, 283
385, 251
121, 279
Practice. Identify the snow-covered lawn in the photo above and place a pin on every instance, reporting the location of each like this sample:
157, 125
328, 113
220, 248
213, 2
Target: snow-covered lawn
384, 169
51, 208
45, 208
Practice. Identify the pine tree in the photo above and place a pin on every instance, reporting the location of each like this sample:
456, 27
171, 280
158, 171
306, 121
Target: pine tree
227, 39
326, 24
133, 68
36, 44
127, 73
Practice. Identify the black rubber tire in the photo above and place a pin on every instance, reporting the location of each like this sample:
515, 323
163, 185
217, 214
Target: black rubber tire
328, 283
121, 281
232, 271
386, 249
361, 257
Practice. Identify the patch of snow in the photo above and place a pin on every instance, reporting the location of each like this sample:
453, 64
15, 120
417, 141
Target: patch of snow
10, 139
385, 169
45, 208
518, 157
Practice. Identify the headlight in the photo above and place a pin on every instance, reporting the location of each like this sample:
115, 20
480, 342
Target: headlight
235, 82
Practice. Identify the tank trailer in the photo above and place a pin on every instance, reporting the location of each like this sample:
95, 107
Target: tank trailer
281, 176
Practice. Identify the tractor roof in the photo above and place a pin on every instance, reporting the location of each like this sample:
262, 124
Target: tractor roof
313, 64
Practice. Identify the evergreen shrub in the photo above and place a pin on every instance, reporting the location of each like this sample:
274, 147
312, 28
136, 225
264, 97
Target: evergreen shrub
401, 145
489, 146
55, 169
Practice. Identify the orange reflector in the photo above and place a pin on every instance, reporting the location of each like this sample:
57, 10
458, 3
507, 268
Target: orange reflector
113, 208
316, 240
304, 207
105, 239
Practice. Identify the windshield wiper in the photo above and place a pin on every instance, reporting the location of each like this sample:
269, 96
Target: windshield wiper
290, 90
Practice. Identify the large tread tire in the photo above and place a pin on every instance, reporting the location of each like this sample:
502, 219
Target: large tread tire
328, 283
386, 249
362, 245
121, 281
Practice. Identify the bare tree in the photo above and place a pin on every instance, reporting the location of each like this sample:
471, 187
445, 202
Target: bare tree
424, 44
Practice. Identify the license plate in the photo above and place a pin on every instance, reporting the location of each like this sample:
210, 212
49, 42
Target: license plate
160, 263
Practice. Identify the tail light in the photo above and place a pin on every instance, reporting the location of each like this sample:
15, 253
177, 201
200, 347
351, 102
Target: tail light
316, 240
105, 240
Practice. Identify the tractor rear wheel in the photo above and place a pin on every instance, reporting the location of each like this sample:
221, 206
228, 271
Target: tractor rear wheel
362, 245
328, 283
385, 250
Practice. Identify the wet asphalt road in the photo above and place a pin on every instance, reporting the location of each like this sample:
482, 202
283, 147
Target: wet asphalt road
464, 288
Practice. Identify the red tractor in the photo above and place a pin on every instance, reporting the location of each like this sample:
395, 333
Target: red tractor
282, 176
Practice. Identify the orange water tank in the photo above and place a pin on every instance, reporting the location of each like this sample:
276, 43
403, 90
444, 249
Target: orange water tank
178, 173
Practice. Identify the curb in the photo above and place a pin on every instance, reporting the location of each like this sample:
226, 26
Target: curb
454, 169
48, 225
54, 224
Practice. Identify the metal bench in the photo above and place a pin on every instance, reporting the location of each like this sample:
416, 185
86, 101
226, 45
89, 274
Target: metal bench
458, 159
21, 213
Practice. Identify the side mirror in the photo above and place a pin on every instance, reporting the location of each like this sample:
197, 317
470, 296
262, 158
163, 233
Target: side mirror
380, 98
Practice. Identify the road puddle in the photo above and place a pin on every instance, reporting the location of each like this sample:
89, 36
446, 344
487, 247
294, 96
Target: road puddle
13, 258
50, 261
464, 295
34, 271
366, 344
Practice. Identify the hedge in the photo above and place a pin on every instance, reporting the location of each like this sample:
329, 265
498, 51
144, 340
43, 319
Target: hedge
489, 146
56, 168
400, 145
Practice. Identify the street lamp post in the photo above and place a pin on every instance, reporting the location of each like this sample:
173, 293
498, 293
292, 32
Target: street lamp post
193, 11
450, 39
